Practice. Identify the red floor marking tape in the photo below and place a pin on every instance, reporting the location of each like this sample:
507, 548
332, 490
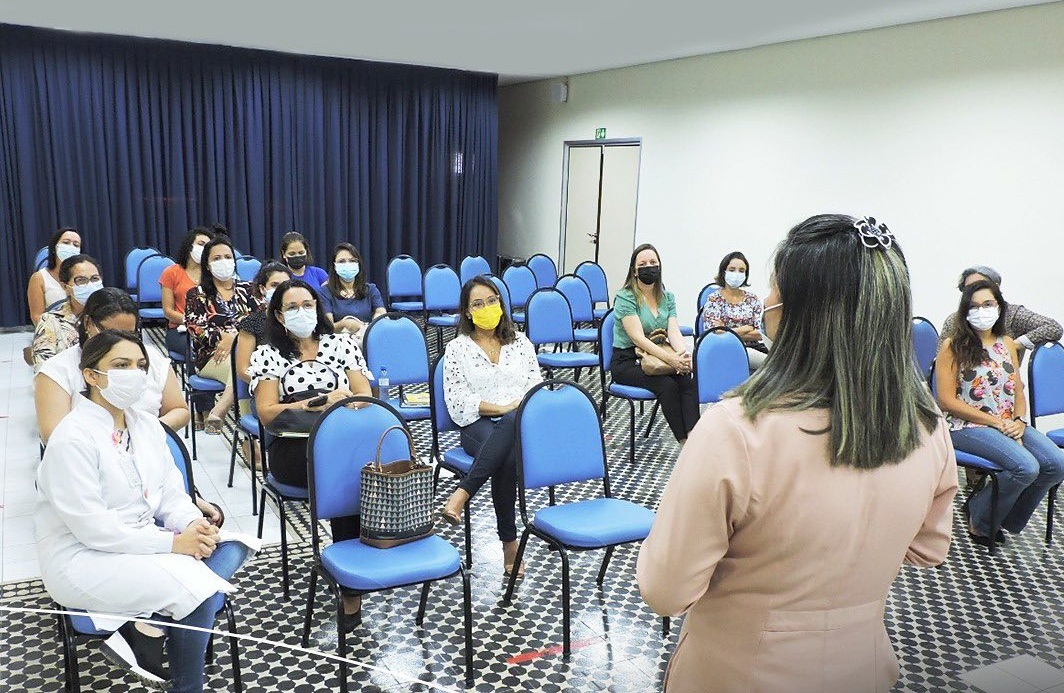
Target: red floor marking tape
556, 649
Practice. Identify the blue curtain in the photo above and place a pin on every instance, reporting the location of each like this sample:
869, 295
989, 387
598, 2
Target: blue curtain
135, 141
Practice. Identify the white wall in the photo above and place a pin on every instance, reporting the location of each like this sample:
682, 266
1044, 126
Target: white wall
952, 132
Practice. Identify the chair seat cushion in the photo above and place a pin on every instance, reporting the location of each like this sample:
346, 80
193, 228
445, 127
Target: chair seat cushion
687, 331
443, 320
966, 459
586, 334
198, 382
519, 318
176, 356
360, 567
250, 424
152, 313
630, 391
568, 359
597, 522
457, 458
286, 489
601, 313
83, 625
408, 306
410, 413
1057, 436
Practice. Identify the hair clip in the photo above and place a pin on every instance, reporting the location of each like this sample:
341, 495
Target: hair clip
873, 235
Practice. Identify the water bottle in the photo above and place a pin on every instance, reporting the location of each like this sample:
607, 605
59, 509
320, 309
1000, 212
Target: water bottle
382, 384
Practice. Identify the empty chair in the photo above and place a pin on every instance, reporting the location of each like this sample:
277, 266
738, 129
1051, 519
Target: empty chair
441, 290
40, 259
473, 266
247, 267
395, 342
404, 285
149, 293
592, 273
720, 364
504, 291
132, 263
550, 321
521, 282
925, 344
1045, 379
578, 293
628, 393
544, 269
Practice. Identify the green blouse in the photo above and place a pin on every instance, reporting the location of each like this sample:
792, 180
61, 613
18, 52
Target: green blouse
624, 304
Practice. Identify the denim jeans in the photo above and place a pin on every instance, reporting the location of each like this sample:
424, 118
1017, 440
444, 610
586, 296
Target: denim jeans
492, 445
1030, 470
187, 649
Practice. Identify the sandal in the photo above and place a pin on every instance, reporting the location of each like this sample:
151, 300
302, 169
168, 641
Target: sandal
213, 426
507, 569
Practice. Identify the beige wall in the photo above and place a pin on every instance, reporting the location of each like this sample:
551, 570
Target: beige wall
952, 132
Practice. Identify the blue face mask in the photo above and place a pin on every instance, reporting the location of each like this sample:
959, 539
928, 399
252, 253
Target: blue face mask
82, 293
301, 321
347, 270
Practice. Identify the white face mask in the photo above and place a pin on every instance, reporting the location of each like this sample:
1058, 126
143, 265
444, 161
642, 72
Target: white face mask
66, 250
224, 269
734, 279
124, 386
301, 321
197, 253
269, 294
983, 318
761, 326
82, 293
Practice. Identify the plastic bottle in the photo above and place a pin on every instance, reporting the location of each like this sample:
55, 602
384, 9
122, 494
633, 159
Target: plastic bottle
382, 384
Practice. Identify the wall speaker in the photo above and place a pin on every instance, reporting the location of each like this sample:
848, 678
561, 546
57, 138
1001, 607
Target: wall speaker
559, 92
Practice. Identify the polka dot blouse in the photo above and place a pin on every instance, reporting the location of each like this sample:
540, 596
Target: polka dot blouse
337, 354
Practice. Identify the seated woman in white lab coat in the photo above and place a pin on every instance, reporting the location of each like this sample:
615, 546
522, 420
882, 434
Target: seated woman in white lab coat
116, 532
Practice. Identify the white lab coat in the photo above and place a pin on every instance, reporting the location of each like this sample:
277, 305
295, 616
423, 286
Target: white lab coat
98, 544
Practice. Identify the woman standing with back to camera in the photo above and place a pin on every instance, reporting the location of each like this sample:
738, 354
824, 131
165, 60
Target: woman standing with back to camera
797, 498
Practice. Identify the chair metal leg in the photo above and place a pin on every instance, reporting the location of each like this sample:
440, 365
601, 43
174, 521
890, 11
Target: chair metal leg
71, 684
209, 654
994, 527
194, 457
468, 536
566, 649
341, 637
310, 606
262, 510
234, 653
650, 425
467, 613
512, 581
665, 625
435, 477
1049, 513
284, 551
232, 453
605, 562
251, 468
550, 494
631, 433
422, 603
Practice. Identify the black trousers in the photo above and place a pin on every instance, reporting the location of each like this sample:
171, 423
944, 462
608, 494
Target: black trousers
491, 443
288, 464
677, 394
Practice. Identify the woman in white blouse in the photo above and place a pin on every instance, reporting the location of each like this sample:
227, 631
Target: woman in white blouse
488, 369
116, 532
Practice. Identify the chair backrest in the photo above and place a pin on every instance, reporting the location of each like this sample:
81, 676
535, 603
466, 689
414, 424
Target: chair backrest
148, 272
504, 291
395, 342
247, 267
403, 277
341, 442
441, 418
1045, 378
548, 318
40, 259
703, 296
720, 364
181, 458
592, 273
544, 269
133, 260
559, 436
441, 288
579, 295
521, 283
925, 344
473, 266
606, 342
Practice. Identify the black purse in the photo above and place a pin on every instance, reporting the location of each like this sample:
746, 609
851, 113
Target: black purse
300, 421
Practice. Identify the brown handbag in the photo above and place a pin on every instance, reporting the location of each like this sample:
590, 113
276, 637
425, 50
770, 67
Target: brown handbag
651, 364
397, 499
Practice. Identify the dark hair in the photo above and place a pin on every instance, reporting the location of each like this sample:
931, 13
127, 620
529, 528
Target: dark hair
53, 259
276, 334
734, 255
335, 285
206, 278
67, 267
219, 228
96, 348
103, 304
269, 268
296, 237
504, 331
988, 272
631, 281
188, 241
964, 341
845, 343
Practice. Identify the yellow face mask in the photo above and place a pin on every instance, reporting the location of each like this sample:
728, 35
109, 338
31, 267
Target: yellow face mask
488, 317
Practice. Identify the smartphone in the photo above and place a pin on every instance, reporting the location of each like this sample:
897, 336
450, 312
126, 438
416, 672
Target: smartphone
318, 401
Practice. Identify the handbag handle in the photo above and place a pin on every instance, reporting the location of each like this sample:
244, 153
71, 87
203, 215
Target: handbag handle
409, 440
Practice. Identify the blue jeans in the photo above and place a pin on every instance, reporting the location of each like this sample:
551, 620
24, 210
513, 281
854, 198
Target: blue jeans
1031, 469
187, 649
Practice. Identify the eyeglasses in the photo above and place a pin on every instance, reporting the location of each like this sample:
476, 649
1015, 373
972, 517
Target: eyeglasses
478, 304
308, 305
83, 281
989, 303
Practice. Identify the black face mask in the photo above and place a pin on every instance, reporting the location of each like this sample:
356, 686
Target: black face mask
296, 261
649, 274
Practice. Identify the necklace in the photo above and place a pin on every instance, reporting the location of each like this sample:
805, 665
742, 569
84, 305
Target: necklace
491, 350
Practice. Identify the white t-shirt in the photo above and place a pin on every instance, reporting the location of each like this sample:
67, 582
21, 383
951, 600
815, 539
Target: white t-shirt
63, 368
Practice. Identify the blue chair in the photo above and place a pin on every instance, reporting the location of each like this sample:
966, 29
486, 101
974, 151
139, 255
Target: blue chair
403, 283
149, 293
1045, 389
560, 441
521, 283
720, 364
199, 391
281, 494
550, 321
40, 259
544, 269
132, 265
73, 628
592, 273
703, 296
455, 460
925, 345
246, 424
247, 267
441, 291
504, 292
629, 393
342, 441
578, 293
473, 266
395, 342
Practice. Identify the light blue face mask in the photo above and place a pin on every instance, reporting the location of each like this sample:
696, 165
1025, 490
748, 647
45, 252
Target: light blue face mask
301, 321
347, 270
735, 279
82, 293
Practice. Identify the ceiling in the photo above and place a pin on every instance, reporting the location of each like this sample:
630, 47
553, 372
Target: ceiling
519, 41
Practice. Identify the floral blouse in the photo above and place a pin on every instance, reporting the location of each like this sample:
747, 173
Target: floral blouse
470, 378
56, 331
719, 312
207, 320
989, 387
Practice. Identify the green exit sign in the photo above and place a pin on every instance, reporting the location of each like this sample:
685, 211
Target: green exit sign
600, 133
